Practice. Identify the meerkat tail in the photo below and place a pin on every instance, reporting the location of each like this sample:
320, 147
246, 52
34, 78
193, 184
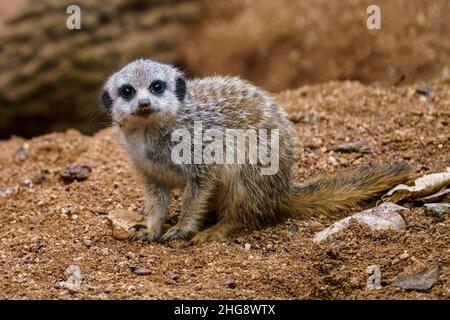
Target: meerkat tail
328, 194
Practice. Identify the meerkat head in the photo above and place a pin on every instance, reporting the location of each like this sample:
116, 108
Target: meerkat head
144, 91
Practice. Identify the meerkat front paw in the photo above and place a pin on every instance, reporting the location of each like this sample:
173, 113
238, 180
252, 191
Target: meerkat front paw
173, 233
145, 234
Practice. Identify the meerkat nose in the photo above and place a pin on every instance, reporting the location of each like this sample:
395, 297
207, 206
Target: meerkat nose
144, 103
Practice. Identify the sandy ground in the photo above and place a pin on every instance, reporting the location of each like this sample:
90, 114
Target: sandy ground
47, 225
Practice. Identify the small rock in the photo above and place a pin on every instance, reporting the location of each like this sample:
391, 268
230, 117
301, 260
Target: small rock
6, 191
332, 160
87, 243
21, 154
437, 209
422, 280
75, 172
123, 223
293, 228
130, 255
197, 287
315, 144
73, 282
39, 179
269, 246
404, 256
105, 252
229, 284
142, 271
173, 276
382, 217
247, 246
424, 90
357, 146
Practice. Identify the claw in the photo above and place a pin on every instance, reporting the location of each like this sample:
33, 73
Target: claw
174, 233
143, 234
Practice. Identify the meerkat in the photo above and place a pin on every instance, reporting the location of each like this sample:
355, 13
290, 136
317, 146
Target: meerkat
148, 100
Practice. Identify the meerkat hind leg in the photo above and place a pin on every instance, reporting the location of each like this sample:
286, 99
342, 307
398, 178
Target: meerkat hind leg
218, 232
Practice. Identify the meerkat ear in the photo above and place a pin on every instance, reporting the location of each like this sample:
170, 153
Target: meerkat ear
180, 88
106, 99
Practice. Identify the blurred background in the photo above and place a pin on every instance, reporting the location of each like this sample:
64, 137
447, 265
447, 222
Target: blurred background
51, 77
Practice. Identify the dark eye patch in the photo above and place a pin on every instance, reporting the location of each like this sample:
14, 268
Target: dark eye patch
107, 101
180, 88
127, 91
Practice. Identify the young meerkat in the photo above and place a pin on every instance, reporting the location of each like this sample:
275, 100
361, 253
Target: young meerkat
149, 100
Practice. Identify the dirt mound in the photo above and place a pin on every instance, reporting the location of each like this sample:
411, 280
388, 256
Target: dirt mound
47, 225
50, 77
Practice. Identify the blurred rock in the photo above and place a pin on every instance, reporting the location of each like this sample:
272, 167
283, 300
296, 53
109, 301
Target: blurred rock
73, 282
229, 284
357, 146
75, 173
123, 223
382, 217
142, 271
422, 280
437, 209
6, 191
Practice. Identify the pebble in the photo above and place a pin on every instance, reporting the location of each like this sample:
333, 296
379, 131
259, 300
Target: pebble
437, 209
142, 271
424, 90
247, 246
357, 146
404, 256
382, 217
130, 255
75, 173
293, 228
87, 243
39, 179
173, 276
422, 280
123, 223
73, 282
229, 284
6, 191
21, 154
332, 160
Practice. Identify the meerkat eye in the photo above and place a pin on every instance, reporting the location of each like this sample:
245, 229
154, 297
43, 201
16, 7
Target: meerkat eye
157, 87
126, 91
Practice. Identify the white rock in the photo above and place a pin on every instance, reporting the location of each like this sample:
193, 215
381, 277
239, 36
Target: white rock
123, 223
382, 217
73, 282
